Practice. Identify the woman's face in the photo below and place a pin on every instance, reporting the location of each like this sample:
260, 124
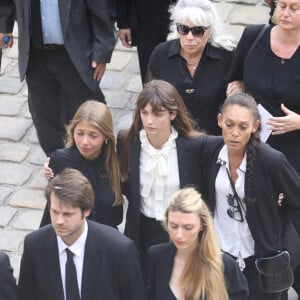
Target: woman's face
156, 123
184, 229
88, 140
288, 14
237, 123
193, 45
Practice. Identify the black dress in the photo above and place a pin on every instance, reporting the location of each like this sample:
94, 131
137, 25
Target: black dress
271, 81
103, 211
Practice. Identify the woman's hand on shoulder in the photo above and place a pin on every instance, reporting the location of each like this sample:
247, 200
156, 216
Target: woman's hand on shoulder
48, 173
280, 125
235, 87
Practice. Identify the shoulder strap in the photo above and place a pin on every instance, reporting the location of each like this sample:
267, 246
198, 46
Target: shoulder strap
262, 31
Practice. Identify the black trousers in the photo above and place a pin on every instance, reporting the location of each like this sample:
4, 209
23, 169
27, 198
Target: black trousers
55, 91
152, 233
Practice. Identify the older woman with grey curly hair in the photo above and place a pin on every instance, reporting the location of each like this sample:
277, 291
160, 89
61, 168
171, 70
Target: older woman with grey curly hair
196, 61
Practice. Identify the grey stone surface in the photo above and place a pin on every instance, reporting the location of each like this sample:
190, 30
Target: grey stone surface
29, 219
11, 240
6, 213
13, 152
14, 129
28, 198
14, 174
11, 106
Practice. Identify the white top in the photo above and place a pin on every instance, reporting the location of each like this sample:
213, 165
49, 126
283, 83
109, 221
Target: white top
234, 236
78, 248
159, 175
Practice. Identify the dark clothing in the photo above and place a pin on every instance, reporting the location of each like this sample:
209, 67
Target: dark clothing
161, 260
103, 211
271, 83
149, 24
88, 35
206, 91
270, 227
189, 164
8, 287
110, 269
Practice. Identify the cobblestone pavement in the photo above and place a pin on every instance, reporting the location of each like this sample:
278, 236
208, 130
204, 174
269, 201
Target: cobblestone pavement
21, 158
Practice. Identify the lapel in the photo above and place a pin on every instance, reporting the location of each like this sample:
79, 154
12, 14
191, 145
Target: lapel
90, 264
135, 151
183, 158
53, 267
166, 270
64, 13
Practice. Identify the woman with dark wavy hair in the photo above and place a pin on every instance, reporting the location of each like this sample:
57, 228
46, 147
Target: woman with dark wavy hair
159, 154
245, 177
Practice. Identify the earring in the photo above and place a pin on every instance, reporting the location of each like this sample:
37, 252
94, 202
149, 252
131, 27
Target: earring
105, 142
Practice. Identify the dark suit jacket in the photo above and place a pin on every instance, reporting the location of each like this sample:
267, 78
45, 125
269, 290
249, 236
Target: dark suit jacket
270, 227
110, 269
189, 164
86, 26
8, 287
161, 260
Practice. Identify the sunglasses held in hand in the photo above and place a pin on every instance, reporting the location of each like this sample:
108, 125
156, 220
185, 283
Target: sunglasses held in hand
196, 30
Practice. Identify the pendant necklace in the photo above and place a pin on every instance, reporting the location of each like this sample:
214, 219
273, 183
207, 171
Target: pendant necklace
282, 61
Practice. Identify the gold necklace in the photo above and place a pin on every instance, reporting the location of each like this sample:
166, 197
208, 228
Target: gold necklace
193, 65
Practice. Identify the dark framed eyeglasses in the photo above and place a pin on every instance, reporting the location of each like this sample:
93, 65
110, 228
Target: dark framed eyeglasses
235, 210
196, 30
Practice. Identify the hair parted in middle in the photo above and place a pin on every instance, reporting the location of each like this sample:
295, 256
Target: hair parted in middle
247, 101
71, 187
203, 272
98, 114
160, 95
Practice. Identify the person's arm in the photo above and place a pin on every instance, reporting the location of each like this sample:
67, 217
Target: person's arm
131, 281
7, 19
27, 281
236, 283
8, 287
103, 36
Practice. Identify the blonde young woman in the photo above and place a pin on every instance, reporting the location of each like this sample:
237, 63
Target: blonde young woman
192, 266
90, 149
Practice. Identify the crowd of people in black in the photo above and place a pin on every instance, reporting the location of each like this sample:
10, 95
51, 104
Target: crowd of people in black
209, 166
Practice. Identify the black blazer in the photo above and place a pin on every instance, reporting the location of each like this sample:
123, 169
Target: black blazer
270, 227
8, 287
86, 26
110, 270
161, 260
103, 210
189, 164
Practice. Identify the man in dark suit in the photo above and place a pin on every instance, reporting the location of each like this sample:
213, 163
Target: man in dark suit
63, 50
106, 262
144, 24
8, 287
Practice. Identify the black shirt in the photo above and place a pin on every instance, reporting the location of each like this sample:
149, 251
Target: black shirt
206, 91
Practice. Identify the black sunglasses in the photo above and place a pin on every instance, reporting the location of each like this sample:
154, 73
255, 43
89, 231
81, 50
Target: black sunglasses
235, 210
196, 30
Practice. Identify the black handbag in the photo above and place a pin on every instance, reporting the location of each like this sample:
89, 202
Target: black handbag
275, 272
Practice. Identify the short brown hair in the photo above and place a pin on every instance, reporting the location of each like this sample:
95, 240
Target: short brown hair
71, 187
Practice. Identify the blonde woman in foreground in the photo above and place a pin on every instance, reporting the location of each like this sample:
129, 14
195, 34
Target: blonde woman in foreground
192, 266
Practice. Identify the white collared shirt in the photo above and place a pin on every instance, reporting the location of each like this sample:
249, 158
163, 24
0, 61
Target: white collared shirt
234, 236
159, 175
78, 248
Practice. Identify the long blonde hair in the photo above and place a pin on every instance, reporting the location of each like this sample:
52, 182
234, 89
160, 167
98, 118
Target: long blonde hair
99, 115
203, 274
